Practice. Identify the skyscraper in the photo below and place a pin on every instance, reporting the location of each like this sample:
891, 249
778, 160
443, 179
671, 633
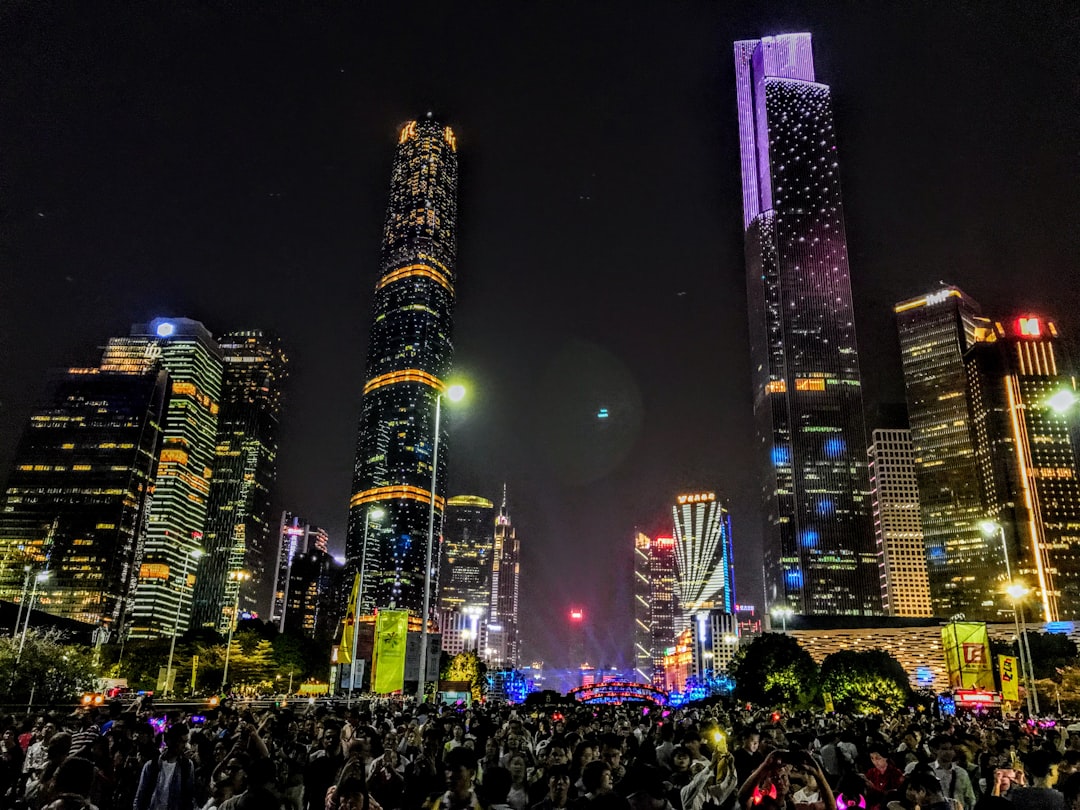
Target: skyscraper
808, 408
237, 536
505, 577
189, 353
936, 330
704, 569
409, 357
1022, 402
294, 536
468, 544
894, 494
655, 605
77, 499
643, 651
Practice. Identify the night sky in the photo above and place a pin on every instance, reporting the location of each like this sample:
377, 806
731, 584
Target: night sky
232, 165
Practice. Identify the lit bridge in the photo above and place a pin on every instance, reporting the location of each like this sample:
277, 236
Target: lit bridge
619, 692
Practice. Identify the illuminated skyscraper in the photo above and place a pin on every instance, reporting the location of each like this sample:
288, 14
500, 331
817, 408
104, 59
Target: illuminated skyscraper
936, 329
1023, 402
819, 548
505, 576
468, 544
409, 358
655, 605
237, 536
704, 572
76, 502
294, 536
894, 493
643, 656
182, 486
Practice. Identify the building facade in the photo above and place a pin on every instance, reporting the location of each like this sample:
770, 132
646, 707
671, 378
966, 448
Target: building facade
503, 643
704, 569
467, 548
409, 357
294, 536
807, 387
642, 590
1023, 403
77, 502
936, 330
181, 489
238, 532
894, 495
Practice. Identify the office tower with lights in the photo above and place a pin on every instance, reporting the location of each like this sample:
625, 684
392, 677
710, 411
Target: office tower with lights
1023, 404
409, 357
77, 500
894, 496
807, 388
936, 329
655, 605
174, 537
468, 544
312, 603
642, 589
238, 531
704, 570
502, 628
294, 536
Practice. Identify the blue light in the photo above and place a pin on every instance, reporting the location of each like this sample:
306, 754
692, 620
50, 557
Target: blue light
825, 507
602, 413
165, 329
793, 578
1060, 627
780, 455
834, 447
810, 538
924, 676
937, 552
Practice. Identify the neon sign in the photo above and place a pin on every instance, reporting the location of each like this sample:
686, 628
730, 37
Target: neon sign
1028, 327
700, 497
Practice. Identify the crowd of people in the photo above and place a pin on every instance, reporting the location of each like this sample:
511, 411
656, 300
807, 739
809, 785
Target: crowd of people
382, 755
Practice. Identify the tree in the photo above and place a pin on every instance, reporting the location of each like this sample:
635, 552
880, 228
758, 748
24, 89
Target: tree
468, 667
49, 670
1050, 652
865, 681
775, 671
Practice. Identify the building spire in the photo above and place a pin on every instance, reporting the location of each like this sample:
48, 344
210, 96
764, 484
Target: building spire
502, 511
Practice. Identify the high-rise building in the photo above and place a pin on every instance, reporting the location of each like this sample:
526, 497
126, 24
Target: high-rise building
1022, 404
894, 495
643, 652
313, 604
295, 536
655, 605
936, 329
237, 536
409, 357
704, 569
807, 389
502, 629
468, 544
77, 500
174, 537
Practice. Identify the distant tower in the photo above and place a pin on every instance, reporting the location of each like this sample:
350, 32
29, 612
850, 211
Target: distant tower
643, 652
188, 351
468, 543
295, 537
505, 573
237, 536
807, 388
936, 330
894, 493
655, 605
704, 573
409, 357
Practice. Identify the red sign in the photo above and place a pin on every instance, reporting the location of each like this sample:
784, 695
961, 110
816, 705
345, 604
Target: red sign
1028, 327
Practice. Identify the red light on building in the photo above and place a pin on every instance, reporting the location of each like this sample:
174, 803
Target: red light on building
665, 542
1028, 327
576, 614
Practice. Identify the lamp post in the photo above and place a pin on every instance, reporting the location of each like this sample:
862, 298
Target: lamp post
22, 601
454, 393
784, 613
238, 577
377, 514
41, 577
194, 553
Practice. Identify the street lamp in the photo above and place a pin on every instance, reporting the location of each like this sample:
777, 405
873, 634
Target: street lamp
1017, 591
376, 514
193, 554
238, 577
22, 601
784, 613
454, 393
1062, 401
40, 578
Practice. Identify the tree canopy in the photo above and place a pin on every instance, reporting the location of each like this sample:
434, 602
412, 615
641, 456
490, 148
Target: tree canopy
775, 671
865, 681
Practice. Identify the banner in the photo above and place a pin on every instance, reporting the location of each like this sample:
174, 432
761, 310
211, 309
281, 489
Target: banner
344, 654
967, 655
1010, 683
388, 659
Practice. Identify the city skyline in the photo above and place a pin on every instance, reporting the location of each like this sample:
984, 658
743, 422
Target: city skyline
109, 229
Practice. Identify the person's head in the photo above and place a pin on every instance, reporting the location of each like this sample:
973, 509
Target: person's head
48, 729
751, 740
942, 749
584, 753
680, 758
557, 755
879, 757
231, 774
923, 788
331, 737
611, 750
558, 784
176, 738
460, 770
75, 776
518, 768
496, 786
491, 748
351, 791
596, 777
1039, 766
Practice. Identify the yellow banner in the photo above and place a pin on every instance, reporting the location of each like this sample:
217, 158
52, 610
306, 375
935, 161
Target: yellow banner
388, 660
967, 655
347, 630
1010, 681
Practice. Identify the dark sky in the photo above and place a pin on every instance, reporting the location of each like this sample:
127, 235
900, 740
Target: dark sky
230, 163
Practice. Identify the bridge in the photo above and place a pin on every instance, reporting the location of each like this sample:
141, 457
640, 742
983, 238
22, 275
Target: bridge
615, 692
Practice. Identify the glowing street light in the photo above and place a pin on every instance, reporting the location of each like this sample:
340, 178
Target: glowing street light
784, 613
454, 393
375, 514
38, 580
1063, 400
193, 554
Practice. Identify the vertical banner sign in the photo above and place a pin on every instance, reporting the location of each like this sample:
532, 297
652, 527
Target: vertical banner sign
345, 647
967, 655
391, 632
1010, 684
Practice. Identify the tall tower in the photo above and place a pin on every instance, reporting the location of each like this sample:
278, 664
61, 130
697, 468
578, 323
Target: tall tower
77, 500
468, 543
655, 605
704, 572
409, 358
505, 574
1023, 404
643, 652
189, 353
808, 409
894, 493
936, 329
238, 535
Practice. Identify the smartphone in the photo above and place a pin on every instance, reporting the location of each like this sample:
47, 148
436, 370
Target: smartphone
159, 724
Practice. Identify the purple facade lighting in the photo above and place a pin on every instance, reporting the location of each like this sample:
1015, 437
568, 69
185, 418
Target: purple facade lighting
806, 379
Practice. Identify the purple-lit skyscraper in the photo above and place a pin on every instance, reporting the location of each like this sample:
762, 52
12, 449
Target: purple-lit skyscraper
819, 547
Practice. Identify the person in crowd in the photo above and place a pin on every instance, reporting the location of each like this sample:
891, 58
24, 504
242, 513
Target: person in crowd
955, 782
1039, 793
748, 755
558, 789
167, 781
459, 771
882, 777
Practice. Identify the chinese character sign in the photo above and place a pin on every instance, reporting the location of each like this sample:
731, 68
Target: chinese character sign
967, 655
1010, 682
